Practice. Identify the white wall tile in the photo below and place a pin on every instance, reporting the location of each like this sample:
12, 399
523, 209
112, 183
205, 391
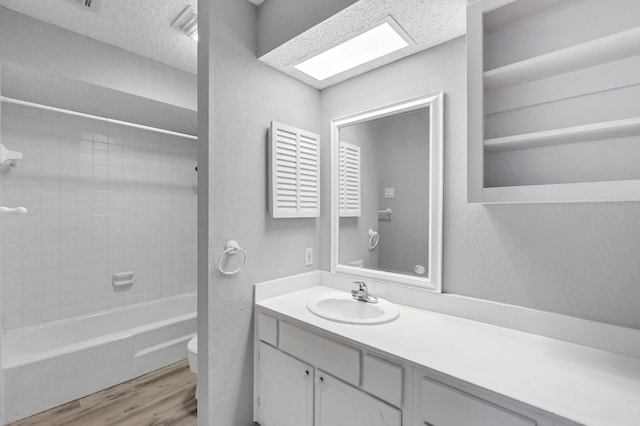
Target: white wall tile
11, 320
101, 199
68, 310
51, 314
31, 318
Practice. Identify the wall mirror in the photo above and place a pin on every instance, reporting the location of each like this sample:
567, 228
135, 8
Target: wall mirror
386, 180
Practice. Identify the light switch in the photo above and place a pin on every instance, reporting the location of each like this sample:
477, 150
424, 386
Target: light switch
308, 256
389, 193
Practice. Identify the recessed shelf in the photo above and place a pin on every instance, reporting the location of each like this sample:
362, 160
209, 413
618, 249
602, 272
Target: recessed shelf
609, 191
595, 52
515, 11
588, 132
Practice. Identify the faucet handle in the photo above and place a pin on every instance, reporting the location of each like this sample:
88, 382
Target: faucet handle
362, 286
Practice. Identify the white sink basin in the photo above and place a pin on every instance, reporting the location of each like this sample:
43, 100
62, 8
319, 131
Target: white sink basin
342, 307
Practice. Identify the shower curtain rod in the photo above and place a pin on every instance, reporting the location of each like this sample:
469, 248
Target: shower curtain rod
96, 117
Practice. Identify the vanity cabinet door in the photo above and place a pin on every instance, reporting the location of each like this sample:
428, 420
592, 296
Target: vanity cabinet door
285, 389
339, 404
443, 405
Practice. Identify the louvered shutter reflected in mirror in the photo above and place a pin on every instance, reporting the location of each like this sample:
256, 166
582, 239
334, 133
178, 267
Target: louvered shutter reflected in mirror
349, 180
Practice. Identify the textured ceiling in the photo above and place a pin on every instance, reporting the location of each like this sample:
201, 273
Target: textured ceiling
427, 22
142, 27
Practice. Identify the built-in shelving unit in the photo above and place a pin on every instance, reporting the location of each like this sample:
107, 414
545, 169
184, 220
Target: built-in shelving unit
547, 88
588, 132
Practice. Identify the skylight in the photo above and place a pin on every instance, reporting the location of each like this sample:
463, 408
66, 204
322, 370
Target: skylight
370, 45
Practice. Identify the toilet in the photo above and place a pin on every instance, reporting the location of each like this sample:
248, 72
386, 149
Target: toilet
192, 354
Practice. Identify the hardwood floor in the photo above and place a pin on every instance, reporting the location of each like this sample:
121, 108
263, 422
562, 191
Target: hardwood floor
161, 398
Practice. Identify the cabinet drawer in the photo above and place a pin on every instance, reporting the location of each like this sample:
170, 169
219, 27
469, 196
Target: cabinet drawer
445, 406
268, 329
383, 379
332, 357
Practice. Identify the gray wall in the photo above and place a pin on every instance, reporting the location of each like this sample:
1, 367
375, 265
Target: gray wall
39, 86
403, 164
576, 259
239, 96
354, 231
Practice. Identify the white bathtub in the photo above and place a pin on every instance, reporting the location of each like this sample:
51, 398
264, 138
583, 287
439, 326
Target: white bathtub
54, 363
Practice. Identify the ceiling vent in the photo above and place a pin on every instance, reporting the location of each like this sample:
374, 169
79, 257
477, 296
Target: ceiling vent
187, 22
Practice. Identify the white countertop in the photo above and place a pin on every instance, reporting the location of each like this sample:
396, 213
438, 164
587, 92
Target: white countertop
582, 384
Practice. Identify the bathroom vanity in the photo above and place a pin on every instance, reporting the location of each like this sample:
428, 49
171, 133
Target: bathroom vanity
323, 359
426, 368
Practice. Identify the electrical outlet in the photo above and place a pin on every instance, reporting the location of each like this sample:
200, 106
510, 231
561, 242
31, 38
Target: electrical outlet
308, 256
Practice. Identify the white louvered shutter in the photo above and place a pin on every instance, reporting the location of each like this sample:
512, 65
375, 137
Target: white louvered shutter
295, 172
349, 180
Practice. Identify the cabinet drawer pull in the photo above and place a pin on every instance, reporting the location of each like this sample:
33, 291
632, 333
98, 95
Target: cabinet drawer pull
305, 373
319, 380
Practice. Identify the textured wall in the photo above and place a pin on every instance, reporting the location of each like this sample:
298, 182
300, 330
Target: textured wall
101, 199
241, 96
576, 259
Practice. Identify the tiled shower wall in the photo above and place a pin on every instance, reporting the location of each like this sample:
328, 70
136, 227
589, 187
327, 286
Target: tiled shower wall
102, 198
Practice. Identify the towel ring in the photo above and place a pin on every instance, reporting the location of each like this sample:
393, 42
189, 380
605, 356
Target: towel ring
374, 238
232, 247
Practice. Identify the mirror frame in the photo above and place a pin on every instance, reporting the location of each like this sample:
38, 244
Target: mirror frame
434, 102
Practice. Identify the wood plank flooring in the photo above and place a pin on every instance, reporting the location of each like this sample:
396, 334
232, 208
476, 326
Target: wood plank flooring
164, 397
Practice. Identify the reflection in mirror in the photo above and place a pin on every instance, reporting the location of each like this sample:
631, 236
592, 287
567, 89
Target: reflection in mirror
387, 167
391, 231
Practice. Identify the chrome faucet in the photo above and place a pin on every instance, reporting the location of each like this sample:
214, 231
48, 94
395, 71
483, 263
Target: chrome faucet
360, 292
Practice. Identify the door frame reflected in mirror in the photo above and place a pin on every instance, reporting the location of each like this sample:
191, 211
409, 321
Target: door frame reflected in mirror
434, 102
